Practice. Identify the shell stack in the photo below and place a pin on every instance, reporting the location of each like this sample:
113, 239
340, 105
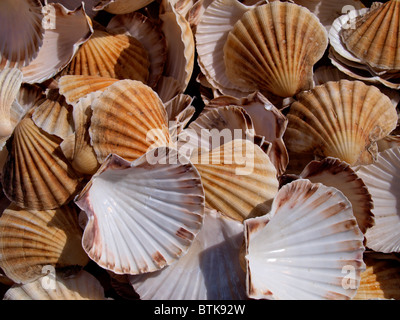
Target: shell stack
199, 150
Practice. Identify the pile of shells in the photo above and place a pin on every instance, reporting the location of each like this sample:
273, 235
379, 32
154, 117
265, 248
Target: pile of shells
199, 149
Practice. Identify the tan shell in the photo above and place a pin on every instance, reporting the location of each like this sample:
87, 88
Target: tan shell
374, 38
111, 55
75, 87
31, 240
273, 48
332, 172
128, 119
20, 19
36, 174
238, 178
341, 119
380, 280
149, 33
81, 286
121, 6
54, 115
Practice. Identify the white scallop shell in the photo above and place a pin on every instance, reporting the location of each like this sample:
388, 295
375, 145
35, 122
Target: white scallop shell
304, 248
382, 180
209, 271
142, 215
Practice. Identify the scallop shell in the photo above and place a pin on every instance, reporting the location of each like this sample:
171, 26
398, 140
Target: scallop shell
273, 48
210, 270
21, 19
380, 280
36, 174
66, 32
374, 37
75, 87
149, 35
268, 121
142, 216
10, 83
82, 286
180, 111
332, 172
322, 121
121, 6
111, 55
180, 44
238, 177
128, 119
381, 179
31, 240
73, 4
308, 247
54, 115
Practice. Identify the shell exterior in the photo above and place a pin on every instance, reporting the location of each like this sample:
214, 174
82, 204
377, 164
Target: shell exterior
238, 177
31, 240
180, 111
10, 83
381, 179
72, 4
380, 280
54, 115
300, 249
21, 19
322, 121
142, 216
111, 55
374, 37
36, 174
66, 32
128, 119
332, 172
82, 286
210, 270
121, 6
74, 87
149, 35
273, 48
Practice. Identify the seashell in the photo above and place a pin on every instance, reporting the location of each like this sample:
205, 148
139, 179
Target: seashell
168, 88
332, 172
111, 55
82, 286
380, 280
259, 56
321, 121
181, 46
73, 4
210, 270
374, 37
327, 11
238, 178
388, 142
301, 248
83, 158
380, 178
54, 115
36, 174
149, 35
10, 83
211, 34
128, 119
268, 121
180, 111
31, 240
215, 127
20, 19
121, 6
66, 32
74, 87
142, 216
